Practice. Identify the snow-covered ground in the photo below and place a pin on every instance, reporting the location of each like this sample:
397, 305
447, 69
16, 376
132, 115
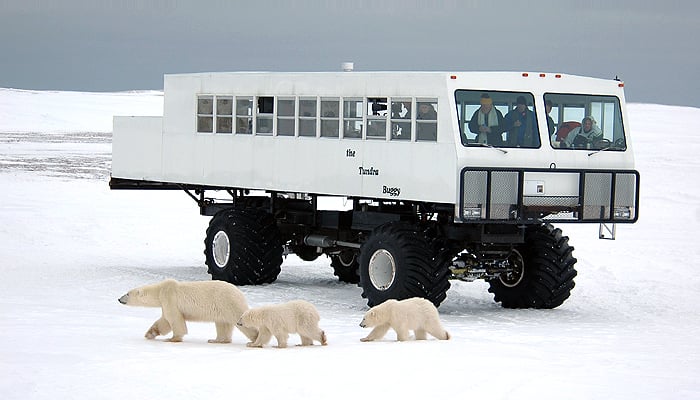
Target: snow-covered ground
69, 247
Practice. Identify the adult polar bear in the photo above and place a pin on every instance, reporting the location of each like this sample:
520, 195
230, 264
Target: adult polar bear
207, 301
279, 320
414, 314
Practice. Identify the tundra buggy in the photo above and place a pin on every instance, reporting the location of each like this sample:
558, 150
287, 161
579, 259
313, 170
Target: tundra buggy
405, 180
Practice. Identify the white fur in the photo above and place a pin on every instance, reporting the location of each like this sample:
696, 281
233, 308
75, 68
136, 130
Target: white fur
280, 320
207, 301
415, 314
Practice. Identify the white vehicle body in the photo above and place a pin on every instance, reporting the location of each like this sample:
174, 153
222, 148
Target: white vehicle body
412, 150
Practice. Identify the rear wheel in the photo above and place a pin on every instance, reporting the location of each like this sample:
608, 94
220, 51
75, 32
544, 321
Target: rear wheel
543, 273
396, 262
243, 247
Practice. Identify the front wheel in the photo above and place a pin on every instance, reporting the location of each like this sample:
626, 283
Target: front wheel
396, 262
243, 247
543, 271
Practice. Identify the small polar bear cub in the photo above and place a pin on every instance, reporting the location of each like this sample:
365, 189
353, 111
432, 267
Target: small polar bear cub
207, 301
414, 314
280, 320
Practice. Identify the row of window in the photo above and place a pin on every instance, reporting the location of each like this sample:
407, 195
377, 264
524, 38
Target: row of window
330, 117
508, 119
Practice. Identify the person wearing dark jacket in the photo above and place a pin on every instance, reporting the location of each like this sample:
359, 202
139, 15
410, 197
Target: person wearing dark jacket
521, 125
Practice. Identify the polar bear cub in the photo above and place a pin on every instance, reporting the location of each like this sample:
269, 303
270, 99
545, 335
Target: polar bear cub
280, 320
414, 314
207, 301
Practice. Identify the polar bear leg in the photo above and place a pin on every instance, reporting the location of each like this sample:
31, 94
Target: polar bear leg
177, 322
281, 339
223, 333
160, 327
306, 341
402, 333
421, 334
377, 333
263, 338
439, 333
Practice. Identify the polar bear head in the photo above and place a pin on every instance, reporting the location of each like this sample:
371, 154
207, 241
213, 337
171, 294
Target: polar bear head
145, 296
377, 315
249, 319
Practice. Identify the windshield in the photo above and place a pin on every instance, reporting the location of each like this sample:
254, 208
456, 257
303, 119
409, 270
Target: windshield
497, 119
578, 121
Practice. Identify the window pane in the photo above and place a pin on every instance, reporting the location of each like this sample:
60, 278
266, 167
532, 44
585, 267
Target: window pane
205, 124
352, 108
263, 125
307, 127
224, 105
285, 127
244, 106
376, 128
427, 110
205, 105
265, 105
285, 107
329, 128
330, 108
587, 122
426, 131
223, 124
307, 107
376, 106
400, 108
244, 125
352, 129
400, 131
500, 119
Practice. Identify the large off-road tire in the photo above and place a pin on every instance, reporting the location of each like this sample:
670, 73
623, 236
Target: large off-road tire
346, 266
397, 262
545, 271
243, 247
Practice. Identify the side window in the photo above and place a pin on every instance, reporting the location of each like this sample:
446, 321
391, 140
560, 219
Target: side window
376, 117
205, 114
352, 118
401, 119
244, 115
426, 120
330, 117
286, 111
307, 116
224, 113
264, 115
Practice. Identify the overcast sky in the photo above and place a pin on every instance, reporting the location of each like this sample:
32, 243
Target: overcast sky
109, 45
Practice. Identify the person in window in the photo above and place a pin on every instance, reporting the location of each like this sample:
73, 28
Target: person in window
426, 131
426, 111
520, 124
550, 121
487, 122
584, 135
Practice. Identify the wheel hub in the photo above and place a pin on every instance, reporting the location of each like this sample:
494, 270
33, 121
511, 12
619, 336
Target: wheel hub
382, 269
513, 277
221, 249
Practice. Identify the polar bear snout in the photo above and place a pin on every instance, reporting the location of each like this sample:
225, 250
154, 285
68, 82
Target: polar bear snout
124, 299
